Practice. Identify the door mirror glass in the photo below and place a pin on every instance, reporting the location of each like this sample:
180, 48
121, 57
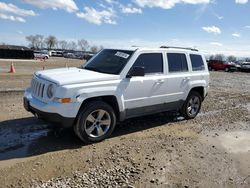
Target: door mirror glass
136, 71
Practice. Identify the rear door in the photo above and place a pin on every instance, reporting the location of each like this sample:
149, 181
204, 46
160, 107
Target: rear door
179, 77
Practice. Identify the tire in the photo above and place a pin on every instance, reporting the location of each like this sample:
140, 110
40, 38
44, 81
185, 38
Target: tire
89, 127
45, 58
192, 105
227, 69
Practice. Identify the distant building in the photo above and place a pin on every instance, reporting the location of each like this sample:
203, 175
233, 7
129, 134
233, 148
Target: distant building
15, 52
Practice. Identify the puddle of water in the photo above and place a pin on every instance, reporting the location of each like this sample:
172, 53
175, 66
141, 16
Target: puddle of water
15, 140
236, 142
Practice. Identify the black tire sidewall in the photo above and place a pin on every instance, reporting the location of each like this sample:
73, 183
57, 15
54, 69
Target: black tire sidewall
92, 106
185, 113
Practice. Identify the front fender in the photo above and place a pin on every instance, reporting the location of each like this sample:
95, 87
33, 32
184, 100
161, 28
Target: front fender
88, 93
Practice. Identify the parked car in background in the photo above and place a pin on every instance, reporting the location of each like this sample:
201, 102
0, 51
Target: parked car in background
245, 67
88, 56
221, 65
57, 53
41, 55
69, 55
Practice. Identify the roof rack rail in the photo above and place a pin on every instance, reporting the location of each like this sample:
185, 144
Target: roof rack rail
175, 47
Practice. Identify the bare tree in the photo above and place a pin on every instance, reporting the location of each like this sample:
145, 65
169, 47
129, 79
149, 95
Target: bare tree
32, 41
231, 58
83, 44
211, 57
94, 49
51, 42
101, 47
247, 59
35, 41
63, 44
39, 41
219, 57
72, 45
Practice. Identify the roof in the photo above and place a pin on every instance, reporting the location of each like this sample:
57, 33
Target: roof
13, 47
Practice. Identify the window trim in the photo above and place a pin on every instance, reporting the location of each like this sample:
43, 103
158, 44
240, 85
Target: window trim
177, 72
154, 52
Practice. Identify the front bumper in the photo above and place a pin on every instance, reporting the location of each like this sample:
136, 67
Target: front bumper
30, 104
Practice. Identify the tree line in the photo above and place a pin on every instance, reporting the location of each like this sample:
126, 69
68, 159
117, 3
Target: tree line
39, 42
222, 57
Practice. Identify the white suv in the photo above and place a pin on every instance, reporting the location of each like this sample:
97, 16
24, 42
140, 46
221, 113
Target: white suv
117, 84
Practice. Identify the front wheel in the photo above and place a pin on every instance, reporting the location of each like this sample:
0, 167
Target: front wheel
191, 106
95, 122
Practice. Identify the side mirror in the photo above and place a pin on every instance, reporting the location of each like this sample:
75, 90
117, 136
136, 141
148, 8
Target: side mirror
136, 71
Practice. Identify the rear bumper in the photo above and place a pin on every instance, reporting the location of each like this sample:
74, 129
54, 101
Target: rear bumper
48, 116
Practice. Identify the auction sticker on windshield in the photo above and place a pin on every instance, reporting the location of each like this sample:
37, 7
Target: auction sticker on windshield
122, 54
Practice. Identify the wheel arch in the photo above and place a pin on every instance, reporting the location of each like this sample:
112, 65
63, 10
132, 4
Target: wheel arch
109, 99
200, 90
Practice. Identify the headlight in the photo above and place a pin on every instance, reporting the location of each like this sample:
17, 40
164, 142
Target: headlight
50, 91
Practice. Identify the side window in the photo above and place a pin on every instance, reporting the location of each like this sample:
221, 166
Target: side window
177, 62
152, 62
197, 62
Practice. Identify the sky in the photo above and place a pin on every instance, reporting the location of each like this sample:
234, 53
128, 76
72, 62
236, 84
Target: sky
212, 26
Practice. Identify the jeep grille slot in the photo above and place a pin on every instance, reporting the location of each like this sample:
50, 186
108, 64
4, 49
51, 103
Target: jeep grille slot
37, 88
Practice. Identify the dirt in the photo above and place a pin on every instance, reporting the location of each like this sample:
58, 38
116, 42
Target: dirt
25, 68
160, 150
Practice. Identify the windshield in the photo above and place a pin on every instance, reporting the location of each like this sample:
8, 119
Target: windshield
109, 61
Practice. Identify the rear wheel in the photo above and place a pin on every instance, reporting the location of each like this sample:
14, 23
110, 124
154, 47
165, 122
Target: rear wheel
192, 105
95, 122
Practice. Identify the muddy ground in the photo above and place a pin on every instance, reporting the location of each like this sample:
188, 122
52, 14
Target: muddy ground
161, 150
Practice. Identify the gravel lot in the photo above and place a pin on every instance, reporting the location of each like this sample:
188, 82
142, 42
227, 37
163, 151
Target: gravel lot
161, 150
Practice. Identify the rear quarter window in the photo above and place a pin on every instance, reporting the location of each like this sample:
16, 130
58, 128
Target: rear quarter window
197, 62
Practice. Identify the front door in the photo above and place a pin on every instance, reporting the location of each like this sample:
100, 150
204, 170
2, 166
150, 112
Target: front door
141, 94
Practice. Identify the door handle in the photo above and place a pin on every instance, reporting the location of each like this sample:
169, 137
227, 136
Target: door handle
187, 79
160, 81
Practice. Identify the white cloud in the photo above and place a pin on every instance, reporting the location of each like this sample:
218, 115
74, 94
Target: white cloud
11, 18
168, 4
212, 29
247, 26
216, 44
110, 1
68, 5
129, 9
10, 8
237, 35
97, 17
241, 1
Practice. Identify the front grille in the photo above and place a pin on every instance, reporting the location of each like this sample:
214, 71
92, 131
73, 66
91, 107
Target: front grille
37, 88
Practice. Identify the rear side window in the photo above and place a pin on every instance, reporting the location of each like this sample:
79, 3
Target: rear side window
197, 62
177, 62
153, 63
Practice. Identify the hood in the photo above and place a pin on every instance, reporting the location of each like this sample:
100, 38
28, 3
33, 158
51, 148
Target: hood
64, 76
